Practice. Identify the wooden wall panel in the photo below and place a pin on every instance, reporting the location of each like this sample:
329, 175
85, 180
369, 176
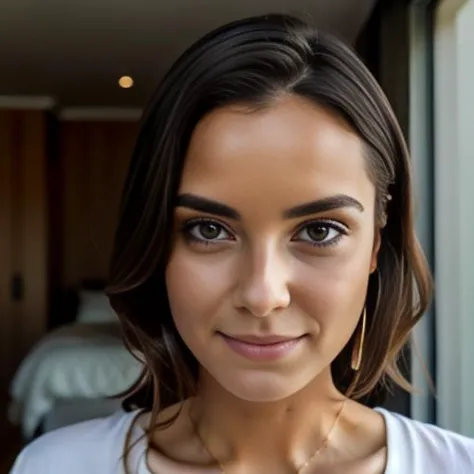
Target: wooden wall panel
5, 245
33, 232
92, 162
95, 157
23, 234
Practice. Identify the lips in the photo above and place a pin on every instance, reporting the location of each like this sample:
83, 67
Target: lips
262, 340
263, 348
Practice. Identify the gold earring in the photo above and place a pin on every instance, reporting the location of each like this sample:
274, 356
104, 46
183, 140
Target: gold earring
358, 347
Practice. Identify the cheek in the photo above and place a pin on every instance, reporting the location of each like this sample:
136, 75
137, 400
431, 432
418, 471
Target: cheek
333, 291
196, 290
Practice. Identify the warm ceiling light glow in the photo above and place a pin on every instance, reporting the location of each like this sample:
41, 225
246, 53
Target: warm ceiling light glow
125, 82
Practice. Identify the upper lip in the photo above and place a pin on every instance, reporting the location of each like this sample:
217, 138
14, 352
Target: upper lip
262, 340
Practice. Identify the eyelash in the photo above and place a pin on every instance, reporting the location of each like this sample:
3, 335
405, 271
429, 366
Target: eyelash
334, 225
191, 223
328, 223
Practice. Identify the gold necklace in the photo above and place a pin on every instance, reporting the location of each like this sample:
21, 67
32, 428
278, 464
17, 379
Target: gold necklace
321, 447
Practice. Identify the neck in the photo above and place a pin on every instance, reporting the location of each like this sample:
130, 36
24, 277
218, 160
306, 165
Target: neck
234, 429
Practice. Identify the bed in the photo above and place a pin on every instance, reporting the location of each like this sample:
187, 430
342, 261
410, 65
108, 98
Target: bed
72, 373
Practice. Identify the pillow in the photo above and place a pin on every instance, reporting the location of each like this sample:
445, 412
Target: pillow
94, 307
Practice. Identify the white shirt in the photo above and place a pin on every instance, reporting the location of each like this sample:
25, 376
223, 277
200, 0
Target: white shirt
96, 447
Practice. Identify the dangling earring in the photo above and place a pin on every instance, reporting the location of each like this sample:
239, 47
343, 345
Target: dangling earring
358, 347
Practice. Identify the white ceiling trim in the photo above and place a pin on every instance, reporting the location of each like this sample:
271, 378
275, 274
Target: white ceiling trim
100, 113
27, 102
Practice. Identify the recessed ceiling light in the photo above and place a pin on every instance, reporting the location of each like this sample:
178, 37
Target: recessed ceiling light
125, 82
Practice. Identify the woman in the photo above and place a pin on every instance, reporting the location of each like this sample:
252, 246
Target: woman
266, 269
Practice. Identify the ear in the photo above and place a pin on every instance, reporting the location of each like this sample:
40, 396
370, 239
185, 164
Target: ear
375, 251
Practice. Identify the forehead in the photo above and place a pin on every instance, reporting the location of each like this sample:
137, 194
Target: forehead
289, 152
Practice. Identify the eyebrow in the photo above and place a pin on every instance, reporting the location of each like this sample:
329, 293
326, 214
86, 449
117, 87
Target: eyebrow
209, 206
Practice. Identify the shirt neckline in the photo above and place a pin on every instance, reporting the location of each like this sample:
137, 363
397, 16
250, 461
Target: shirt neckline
141, 461
390, 467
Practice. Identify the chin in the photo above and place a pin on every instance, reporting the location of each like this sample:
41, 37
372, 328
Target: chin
259, 386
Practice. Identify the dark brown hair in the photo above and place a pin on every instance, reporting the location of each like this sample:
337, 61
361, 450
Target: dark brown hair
252, 62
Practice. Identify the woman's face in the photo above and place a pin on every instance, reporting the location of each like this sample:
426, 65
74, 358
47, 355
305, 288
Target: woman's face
273, 246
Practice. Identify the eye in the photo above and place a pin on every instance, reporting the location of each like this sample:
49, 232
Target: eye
206, 231
321, 233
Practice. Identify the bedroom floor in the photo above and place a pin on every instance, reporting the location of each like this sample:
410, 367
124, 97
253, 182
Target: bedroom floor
10, 442
11, 447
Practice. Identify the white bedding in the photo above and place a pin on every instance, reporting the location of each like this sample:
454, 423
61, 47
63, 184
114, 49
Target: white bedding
75, 361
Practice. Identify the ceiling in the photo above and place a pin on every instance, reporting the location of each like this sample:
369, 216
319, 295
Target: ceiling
75, 50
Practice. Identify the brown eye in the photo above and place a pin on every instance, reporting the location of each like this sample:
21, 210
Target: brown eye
321, 234
206, 231
318, 232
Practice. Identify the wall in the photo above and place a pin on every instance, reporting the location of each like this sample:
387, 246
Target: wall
23, 234
454, 201
60, 186
466, 212
94, 159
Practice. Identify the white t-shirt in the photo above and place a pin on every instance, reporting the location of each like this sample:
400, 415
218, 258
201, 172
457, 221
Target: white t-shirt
96, 447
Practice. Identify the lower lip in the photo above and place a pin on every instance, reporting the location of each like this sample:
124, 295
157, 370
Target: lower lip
267, 352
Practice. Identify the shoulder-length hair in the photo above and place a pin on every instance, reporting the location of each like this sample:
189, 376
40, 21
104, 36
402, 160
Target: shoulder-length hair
252, 62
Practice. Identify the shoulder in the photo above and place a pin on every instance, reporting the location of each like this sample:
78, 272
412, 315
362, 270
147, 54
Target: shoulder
430, 448
91, 447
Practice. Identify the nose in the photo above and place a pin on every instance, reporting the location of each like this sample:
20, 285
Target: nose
264, 283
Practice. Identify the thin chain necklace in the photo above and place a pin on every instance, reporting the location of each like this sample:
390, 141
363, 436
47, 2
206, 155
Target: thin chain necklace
321, 447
